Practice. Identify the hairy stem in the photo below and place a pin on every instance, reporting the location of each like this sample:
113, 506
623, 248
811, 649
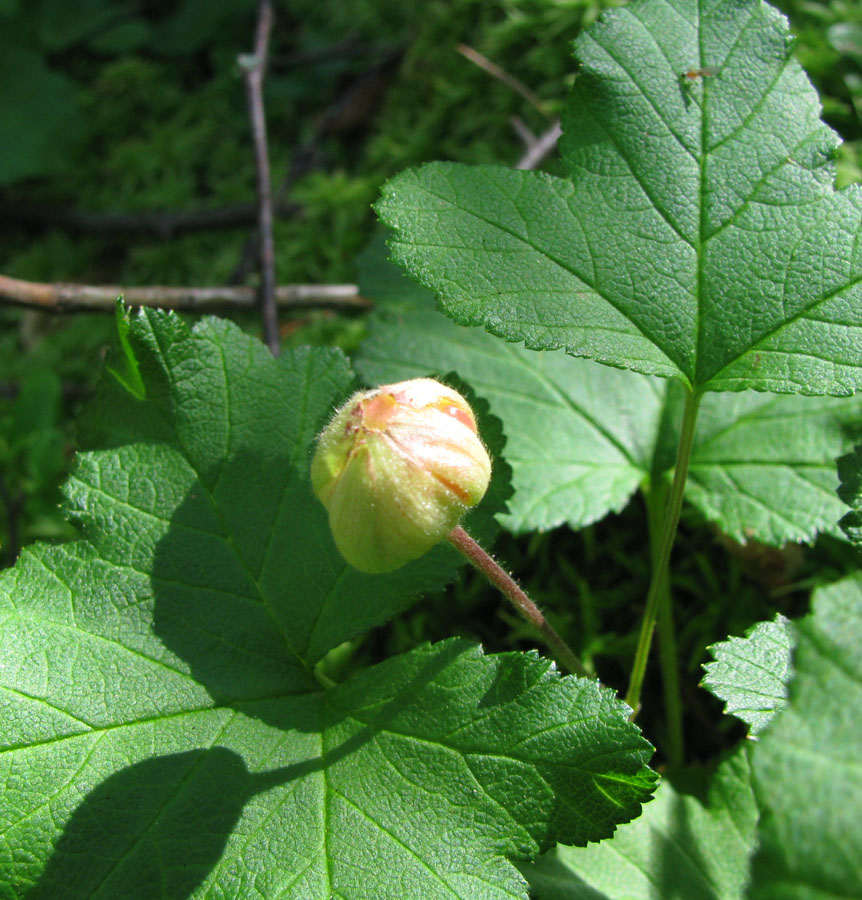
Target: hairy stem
661, 557
501, 579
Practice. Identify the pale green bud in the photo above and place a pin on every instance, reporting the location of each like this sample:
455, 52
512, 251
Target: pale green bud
397, 468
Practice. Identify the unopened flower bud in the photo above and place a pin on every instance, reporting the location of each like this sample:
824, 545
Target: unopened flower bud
396, 468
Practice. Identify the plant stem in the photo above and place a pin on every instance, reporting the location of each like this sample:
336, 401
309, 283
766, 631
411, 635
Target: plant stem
669, 661
501, 579
662, 556
656, 502
323, 679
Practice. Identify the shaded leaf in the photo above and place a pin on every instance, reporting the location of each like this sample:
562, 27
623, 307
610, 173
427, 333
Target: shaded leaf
763, 466
680, 847
39, 119
806, 765
62, 25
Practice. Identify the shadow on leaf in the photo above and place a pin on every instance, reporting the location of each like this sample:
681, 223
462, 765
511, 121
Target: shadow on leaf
158, 828
154, 829
682, 871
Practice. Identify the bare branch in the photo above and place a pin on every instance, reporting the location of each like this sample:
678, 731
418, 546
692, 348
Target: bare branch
255, 69
519, 126
543, 145
509, 80
350, 109
102, 298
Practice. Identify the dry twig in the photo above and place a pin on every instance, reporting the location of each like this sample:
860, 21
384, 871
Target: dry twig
520, 127
254, 70
83, 297
540, 147
350, 109
509, 80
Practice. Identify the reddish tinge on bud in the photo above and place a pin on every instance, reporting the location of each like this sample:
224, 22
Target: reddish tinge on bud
397, 468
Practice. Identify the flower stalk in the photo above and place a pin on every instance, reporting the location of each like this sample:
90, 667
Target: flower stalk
501, 579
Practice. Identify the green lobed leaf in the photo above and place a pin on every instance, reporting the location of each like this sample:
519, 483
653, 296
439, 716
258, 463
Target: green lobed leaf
679, 847
698, 234
582, 437
806, 765
161, 730
763, 465
751, 674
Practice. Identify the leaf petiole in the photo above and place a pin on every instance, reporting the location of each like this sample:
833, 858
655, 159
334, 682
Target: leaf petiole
661, 558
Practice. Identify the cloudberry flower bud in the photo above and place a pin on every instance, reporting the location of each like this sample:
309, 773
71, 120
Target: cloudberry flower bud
396, 468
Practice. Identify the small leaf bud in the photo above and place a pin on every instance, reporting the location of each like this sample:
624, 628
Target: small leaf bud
397, 467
